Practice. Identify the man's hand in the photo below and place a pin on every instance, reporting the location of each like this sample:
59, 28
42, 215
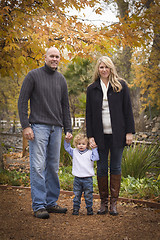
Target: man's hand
28, 133
68, 137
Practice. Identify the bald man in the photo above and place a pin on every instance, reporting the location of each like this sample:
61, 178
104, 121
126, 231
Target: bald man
47, 91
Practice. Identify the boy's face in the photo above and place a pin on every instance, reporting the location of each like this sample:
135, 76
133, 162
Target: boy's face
82, 145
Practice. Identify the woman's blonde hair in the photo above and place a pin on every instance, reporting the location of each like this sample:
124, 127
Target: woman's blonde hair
113, 77
80, 137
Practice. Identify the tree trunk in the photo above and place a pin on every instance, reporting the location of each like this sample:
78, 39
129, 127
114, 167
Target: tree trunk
25, 146
1, 156
125, 58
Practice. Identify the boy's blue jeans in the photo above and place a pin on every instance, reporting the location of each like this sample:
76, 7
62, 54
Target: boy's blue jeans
44, 165
81, 185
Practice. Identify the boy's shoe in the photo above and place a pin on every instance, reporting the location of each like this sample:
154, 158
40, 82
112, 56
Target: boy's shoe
89, 211
56, 209
41, 213
75, 211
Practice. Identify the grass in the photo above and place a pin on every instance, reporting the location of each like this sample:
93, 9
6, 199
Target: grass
139, 159
145, 188
140, 169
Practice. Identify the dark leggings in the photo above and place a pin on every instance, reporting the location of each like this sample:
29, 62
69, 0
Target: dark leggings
115, 158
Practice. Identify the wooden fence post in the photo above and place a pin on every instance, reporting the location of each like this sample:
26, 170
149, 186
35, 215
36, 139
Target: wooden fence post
25, 146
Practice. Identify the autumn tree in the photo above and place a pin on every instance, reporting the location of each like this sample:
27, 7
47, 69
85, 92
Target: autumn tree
147, 62
137, 58
29, 27
78, 75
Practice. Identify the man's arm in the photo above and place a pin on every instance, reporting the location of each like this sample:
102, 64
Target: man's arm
25, 93
66, 109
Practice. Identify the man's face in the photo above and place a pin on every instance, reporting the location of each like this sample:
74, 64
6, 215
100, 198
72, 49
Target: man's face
52, 58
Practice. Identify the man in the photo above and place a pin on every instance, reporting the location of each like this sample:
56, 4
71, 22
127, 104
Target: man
46, 89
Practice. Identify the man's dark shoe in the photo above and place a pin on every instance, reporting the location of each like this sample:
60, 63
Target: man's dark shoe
75, 211
89, 211
56, 209
41, 213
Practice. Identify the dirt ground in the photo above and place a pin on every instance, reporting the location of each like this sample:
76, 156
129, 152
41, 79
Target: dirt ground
17, 221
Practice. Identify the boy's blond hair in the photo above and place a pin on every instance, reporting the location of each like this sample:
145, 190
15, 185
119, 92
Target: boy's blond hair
80, 137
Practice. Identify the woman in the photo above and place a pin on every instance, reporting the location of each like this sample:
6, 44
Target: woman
110, 125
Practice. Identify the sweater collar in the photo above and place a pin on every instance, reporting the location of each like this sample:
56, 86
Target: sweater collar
48, 69
81, 152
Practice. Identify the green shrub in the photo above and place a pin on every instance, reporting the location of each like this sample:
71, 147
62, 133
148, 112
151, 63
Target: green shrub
14, 178
145, 188
138, 159
66, 178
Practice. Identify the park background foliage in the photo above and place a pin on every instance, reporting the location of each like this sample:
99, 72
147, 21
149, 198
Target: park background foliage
29, 27
140, 171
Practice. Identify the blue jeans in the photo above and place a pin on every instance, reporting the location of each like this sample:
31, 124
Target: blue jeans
81, 185
44, 165
115, 158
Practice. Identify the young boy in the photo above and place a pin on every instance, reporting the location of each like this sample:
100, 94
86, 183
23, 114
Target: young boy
83, 170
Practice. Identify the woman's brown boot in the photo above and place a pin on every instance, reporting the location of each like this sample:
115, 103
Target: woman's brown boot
115, 181
103, 192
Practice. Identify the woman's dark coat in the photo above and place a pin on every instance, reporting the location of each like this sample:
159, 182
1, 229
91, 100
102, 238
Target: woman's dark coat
121, 114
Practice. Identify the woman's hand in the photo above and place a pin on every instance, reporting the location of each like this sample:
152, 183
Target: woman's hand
92, 143
129, 138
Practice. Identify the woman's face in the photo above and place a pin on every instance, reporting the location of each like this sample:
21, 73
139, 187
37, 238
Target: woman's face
104, 71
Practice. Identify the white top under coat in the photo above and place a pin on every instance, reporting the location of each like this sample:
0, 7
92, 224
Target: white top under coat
106, 119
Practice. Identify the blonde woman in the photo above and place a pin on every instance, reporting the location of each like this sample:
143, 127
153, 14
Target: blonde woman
110, 125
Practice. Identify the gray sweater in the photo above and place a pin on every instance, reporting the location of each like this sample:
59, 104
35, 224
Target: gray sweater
48, 94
